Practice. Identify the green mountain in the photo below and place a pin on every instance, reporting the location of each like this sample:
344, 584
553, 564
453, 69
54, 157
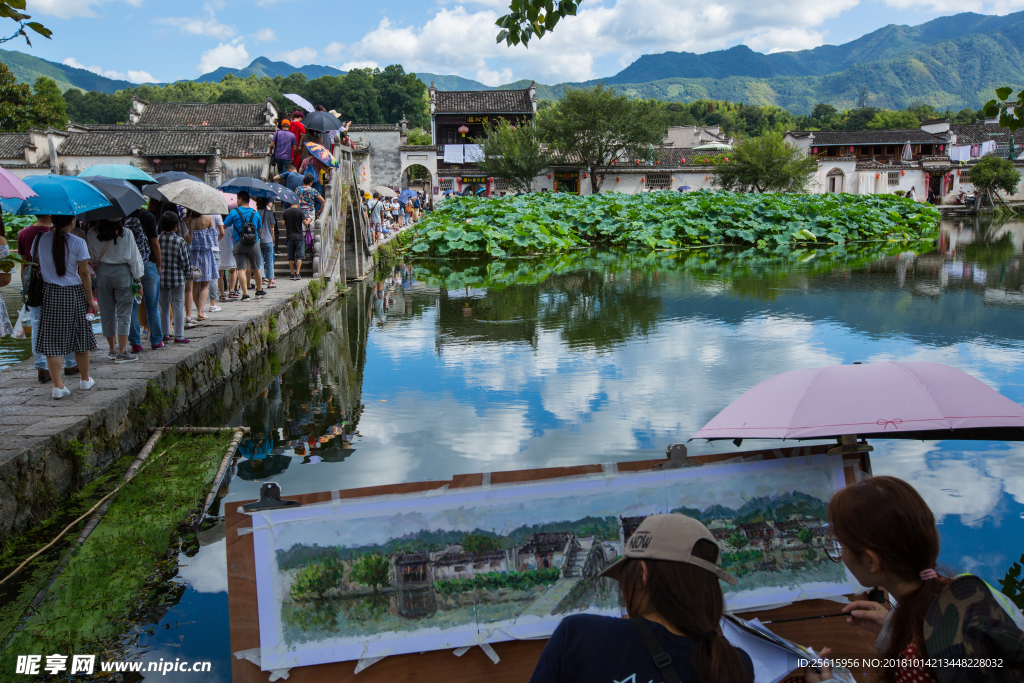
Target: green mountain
451, 83
27, 69
261, 66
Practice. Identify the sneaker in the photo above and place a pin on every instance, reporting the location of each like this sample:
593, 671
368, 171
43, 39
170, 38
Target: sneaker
73, 370
245, 297
126, 357
261, 292
189, 325
158, 345
182, 340
86, 386
112, 354
136, 348
214, 309
167, 338
60, 393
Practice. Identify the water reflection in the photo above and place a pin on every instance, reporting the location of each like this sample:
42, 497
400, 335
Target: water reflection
446, 368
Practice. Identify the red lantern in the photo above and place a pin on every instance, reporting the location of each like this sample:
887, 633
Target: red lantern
549, 175
682, 161
658, 162
617, 178
643, 179
637, 162
726, 159
706, 178
156, 161
941, 147
464, 130
584, 176
814, 150
614, 161
877, 176
903, 173
851, 150
202, 161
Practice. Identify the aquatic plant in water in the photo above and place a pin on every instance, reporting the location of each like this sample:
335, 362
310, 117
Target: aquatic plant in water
544, 223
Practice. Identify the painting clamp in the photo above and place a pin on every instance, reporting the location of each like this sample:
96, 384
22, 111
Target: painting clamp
676, 454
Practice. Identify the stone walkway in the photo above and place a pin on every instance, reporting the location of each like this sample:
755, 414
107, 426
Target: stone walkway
32, 423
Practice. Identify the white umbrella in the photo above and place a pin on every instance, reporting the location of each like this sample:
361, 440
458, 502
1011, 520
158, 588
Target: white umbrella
195, 195
908, 154
385, 191
301, 101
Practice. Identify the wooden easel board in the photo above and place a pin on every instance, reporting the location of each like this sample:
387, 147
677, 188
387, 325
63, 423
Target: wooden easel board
517, 657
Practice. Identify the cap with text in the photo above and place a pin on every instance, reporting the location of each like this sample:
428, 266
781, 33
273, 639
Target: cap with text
668, 537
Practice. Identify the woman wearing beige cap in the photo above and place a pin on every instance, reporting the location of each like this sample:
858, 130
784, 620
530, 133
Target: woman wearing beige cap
669, 582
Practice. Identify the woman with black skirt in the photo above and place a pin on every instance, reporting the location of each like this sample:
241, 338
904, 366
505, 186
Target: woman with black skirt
67, 298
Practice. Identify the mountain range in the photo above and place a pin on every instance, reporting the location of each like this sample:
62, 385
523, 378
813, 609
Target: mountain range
950, 62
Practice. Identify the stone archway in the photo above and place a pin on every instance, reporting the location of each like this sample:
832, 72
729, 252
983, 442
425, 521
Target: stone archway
834, 180
424, 156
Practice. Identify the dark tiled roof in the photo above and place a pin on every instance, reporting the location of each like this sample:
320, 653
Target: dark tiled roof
201, 114
356, 127
417, 148
152, 142
915, 136
484, 102
12, 146
470, 558
944, 119
976, 133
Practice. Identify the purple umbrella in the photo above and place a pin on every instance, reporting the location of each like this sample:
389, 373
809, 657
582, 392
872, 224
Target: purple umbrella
912, 400
13, 187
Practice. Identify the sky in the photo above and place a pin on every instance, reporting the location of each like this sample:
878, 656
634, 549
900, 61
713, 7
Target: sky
147, 40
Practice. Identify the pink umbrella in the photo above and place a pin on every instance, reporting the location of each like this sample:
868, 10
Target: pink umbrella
886, 400
13, 187
231, 199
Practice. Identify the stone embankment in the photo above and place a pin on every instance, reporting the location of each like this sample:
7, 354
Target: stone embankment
49, 448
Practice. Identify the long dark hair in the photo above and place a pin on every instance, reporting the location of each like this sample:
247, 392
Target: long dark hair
888, 516
59, 249
107, 230
690, 598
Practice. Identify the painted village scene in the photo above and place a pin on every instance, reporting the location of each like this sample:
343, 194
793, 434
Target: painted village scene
449, 578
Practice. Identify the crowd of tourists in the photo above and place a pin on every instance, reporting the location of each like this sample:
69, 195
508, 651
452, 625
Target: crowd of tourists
387, 215
156, 273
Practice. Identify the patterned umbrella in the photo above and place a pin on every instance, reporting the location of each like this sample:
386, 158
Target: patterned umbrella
322, 154
284, 194
13, 187
120, 171
165, 178
57, 195
197, 196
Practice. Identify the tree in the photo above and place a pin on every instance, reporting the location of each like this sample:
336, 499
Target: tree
419, 136
401, 94
513, 153
371, 570
46, 89
765, 164
591, 126
10, 9
862, 97
995, 173
20, 108
360, 100
737, 540
823, 112
528, 18
475, 543
1008, 108
805, 536
889, 120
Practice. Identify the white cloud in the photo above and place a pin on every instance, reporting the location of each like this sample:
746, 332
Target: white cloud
131, 75
299, 56
461, 40
267, 35
363, 64
490, 77
953, 6
206, 572
232, 55
199, 26
334, 50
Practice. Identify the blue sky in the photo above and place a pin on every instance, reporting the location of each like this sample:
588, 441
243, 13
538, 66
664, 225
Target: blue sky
144, 40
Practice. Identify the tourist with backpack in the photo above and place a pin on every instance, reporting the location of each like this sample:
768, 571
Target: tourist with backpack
244, 223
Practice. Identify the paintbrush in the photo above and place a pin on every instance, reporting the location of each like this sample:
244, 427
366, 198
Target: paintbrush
817, 616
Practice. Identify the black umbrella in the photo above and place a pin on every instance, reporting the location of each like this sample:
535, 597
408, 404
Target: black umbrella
124, 198
165, 178
254, 186
321, 121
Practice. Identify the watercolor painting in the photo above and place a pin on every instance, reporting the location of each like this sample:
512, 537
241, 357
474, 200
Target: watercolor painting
369, 577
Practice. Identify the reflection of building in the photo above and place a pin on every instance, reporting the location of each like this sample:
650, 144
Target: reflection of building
412, 569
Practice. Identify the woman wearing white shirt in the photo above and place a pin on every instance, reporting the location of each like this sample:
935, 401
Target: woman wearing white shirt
67, 298
118, 265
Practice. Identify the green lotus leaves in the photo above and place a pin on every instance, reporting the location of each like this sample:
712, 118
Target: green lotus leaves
552, 223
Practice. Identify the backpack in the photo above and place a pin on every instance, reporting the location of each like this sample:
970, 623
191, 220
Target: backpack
32, 284
248, 235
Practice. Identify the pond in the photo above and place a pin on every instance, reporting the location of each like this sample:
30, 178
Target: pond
610, 358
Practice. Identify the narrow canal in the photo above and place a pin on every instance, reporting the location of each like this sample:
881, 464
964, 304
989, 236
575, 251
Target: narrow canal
432, 372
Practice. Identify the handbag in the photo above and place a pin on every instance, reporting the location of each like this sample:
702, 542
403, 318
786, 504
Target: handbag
32, 290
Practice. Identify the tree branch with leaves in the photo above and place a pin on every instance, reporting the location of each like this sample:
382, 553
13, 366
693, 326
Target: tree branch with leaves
12, 9
1008, 110
529, 18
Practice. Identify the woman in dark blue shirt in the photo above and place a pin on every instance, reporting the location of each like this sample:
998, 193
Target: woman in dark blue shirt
669, 583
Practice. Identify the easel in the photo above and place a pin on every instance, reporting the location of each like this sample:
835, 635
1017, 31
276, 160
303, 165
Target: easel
518, 657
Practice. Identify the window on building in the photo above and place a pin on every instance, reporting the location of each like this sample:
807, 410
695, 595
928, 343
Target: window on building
447, 184
659, 181
894, 177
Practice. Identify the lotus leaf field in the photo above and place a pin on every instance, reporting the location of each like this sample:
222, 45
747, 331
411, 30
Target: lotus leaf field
551, 223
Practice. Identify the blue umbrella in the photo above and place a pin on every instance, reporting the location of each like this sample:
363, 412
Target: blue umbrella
254, 186
57, 195
284, 194
406, 195
684, 188
120, 171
